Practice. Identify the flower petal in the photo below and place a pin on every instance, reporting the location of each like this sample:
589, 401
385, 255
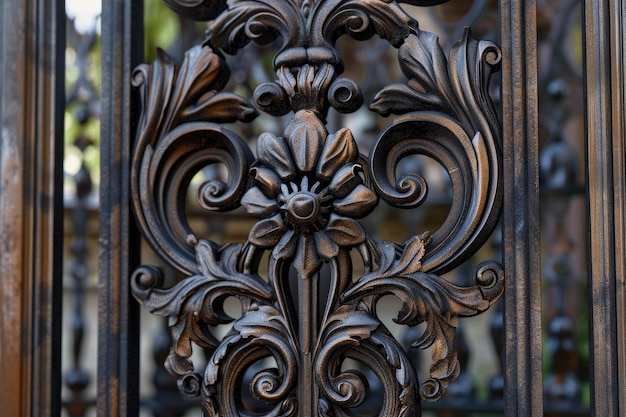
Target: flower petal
345, 231
326, 247
287, 246
266, 233
306, 134
306, 261
274, 152
358, 203
266, 180
257, 204
345, 180
339, 149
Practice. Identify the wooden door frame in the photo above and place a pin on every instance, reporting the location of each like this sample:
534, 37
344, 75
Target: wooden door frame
31, 144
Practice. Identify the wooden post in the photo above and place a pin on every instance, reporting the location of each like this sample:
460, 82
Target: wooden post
32, 40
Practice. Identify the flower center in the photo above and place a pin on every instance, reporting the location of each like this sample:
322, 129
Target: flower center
302, 208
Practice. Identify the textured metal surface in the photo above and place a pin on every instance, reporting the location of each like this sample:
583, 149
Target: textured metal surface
523, 350
308, 187
118, 321
605, 106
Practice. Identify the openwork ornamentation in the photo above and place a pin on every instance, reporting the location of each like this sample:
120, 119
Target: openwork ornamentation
308, 187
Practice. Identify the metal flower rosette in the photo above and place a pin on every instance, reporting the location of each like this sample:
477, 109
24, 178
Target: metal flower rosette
308, 188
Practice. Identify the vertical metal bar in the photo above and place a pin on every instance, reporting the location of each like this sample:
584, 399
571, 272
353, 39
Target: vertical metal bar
606, 182
46, 168
118, 341
523, 349
31, 106
618, 14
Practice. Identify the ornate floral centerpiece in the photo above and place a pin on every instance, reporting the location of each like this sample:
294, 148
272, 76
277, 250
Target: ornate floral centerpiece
308, 188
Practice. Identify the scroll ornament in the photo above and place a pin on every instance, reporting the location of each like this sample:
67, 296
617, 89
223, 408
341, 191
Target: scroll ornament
308, 188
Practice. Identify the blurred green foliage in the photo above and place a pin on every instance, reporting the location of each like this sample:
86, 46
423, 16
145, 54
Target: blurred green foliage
82, 121
161, 28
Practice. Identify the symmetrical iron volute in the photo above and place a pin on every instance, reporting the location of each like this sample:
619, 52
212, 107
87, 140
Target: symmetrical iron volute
308, 188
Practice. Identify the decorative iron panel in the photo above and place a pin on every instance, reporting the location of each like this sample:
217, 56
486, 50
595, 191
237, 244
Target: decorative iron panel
308, 188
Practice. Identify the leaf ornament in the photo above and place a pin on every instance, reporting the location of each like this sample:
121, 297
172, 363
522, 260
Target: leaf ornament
177, 136
258, 334
196, 303
446, 115
458, 87
427, 298
171, 94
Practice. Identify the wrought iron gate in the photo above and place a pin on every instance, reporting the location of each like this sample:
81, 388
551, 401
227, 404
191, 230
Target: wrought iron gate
309, 276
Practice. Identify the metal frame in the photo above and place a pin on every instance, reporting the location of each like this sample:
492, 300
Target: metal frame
118, 330
605, 126
522, 312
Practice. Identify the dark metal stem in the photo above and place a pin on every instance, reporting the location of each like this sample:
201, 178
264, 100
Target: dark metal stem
307, 294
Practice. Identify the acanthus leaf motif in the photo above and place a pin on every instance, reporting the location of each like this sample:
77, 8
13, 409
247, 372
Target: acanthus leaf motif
221, 108
429, 88
361, 20
196, 303
457, 87
198, 9
449, 101
425, 298
399, 98
258, 20
180, 105
177, 94
472, 62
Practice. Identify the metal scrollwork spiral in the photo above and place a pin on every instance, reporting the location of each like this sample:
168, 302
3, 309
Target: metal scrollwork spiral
308, 188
